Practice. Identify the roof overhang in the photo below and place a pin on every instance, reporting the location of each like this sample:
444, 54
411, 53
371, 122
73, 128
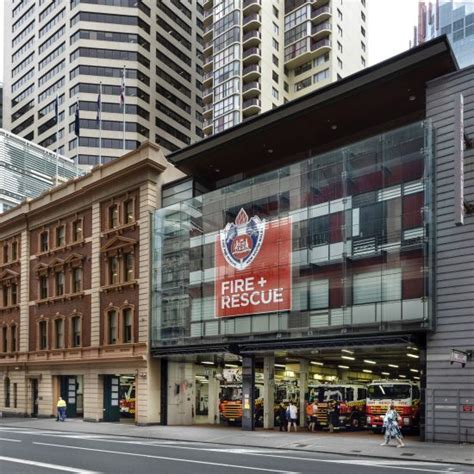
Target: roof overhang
384, 96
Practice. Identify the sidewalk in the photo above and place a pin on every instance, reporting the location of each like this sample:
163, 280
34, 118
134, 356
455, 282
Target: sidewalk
353, 444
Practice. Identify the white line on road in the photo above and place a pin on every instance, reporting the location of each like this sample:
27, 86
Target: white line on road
166, 458
11, 440
56, 467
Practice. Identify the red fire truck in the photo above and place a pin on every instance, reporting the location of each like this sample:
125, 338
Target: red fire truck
404, 394
340, 406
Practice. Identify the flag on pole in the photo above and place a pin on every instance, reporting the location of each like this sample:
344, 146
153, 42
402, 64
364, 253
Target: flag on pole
122, 89
56, 108
77, 121
99, 104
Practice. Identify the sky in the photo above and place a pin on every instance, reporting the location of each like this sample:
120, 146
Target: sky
390, 28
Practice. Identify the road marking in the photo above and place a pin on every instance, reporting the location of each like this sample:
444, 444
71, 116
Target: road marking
166, 458
11, 440
56, 467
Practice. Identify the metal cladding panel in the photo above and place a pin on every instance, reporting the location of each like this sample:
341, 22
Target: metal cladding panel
447, 418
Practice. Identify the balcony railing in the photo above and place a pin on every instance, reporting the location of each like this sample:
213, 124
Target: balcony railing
248, 3
253, 68
252, 34
320, 44
251, 103
315, 12
251, 85
321, 27
252, 52
251, 18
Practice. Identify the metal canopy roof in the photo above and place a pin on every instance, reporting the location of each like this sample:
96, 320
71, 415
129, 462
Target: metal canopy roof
384, 96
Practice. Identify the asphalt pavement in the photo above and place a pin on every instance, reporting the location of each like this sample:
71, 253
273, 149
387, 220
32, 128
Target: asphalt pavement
24, 450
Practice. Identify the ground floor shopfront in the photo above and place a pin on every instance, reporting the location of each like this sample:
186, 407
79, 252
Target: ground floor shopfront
113, 391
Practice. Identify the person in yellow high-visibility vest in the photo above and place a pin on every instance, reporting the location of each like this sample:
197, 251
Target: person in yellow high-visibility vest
61, 406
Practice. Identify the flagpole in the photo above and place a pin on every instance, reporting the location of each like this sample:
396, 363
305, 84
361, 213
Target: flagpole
124, 95
56, 109
100, 123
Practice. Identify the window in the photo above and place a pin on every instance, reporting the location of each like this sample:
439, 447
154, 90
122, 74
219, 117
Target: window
276, 29
59, 333
127, 325
321, 76
14, 294
276, 45
112, 332
60, 236
275, 76
5, 296
77, 230
129, 211
362, 45
4, 339
339, 14
373, 287
276, 12
339, 30
362, 30
76, 324
42, 335
275, 93
5, 253
113, 216
6, 383
286, 86
13, 338
59, 279
76, 280
113, 271
339, 63
129, 270
362, 15
303, 84
44, 241
275, 60
43, 287
14, 250
339, 47
362, 60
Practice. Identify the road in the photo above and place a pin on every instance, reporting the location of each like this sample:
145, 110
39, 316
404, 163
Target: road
29, 451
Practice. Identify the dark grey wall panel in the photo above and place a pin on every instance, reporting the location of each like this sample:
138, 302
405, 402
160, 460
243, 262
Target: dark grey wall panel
450, 387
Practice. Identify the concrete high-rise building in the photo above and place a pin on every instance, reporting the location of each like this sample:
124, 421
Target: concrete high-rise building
1, 104
454, 18
259, 54
66, 48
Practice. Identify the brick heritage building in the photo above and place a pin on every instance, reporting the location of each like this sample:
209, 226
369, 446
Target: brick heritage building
74, 287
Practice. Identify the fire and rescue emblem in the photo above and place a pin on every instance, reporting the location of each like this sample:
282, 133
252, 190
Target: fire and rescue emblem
241, 241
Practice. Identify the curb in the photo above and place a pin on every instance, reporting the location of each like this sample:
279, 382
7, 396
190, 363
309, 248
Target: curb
358, 455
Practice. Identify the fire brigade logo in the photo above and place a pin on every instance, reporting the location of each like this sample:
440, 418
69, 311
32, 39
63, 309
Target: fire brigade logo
241, 241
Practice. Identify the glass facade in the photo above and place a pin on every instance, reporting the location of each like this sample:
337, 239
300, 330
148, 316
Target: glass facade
359, 246
26, 170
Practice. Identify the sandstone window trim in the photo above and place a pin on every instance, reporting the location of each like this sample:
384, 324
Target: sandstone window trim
60, 237
117, 252
40, 324
59, 332
109, 340
72, 333
77, 230
125, 338
120, 325
44, 241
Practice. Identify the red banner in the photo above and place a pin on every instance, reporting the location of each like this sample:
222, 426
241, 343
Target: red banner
253, 265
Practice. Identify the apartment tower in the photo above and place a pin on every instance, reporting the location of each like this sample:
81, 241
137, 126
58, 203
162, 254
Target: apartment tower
259, 54
70, 49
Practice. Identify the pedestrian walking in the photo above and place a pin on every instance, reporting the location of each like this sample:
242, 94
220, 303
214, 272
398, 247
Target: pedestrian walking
61, 406
390, 425
281, 414
292, 414
313, 416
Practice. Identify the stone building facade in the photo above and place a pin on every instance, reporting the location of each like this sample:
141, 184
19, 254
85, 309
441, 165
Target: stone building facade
74, 285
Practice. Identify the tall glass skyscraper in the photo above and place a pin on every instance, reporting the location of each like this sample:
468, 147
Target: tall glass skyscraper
454, 18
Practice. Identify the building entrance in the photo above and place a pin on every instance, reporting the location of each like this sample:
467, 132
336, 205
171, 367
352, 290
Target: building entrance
72, 391
334, 389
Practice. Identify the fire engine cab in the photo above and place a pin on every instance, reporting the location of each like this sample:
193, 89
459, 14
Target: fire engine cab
404, 394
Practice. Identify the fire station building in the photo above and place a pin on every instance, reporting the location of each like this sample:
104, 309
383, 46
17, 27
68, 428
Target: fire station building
319, 251
327, 243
